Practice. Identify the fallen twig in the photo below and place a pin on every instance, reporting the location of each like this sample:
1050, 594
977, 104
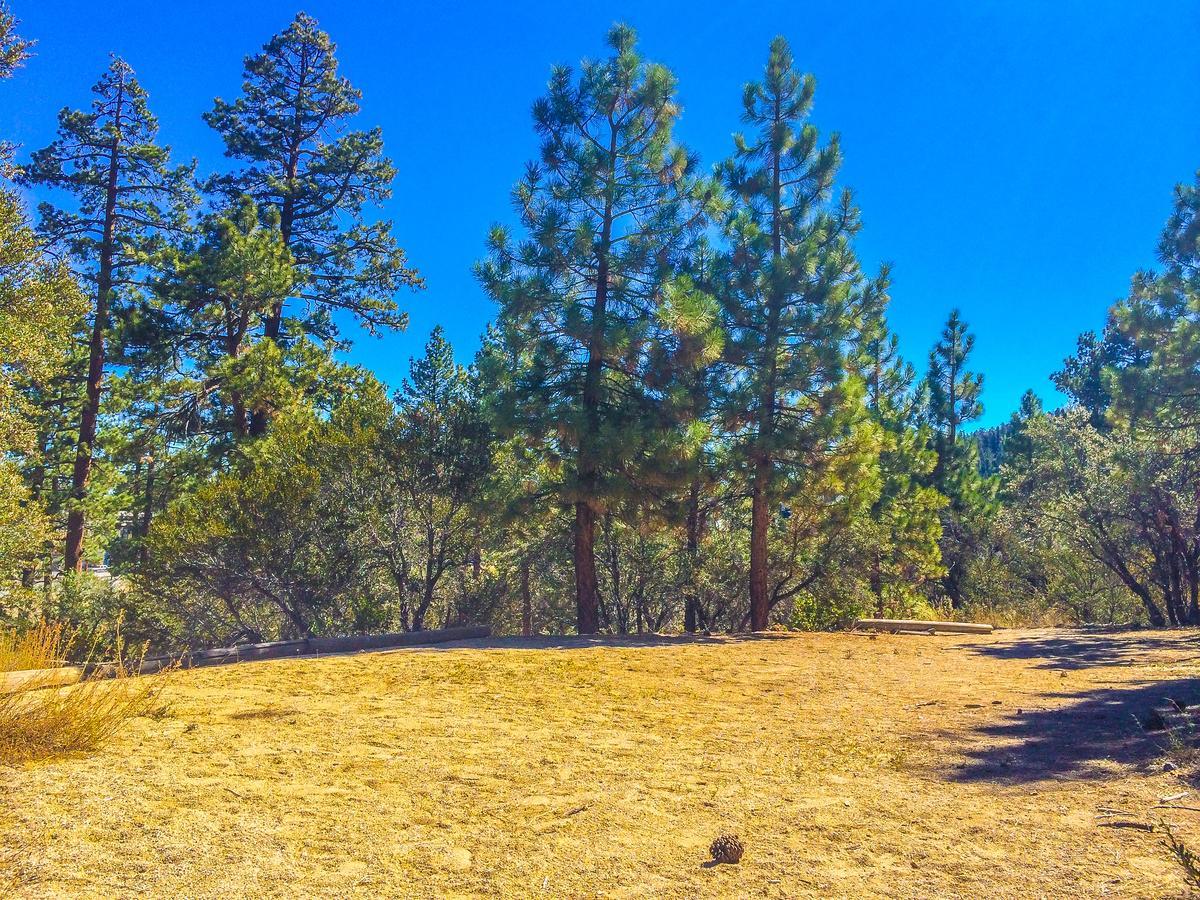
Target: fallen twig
1139, 826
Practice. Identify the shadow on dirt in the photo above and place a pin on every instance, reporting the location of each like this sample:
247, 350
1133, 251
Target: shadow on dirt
1087, 648
1075, 739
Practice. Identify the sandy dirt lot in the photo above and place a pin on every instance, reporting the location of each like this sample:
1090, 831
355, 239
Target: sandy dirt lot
897, 766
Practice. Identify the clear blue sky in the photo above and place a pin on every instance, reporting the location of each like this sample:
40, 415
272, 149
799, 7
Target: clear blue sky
1014, 158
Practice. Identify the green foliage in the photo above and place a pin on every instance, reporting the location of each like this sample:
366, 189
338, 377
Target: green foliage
1125, 501
264, 552
612, 205
904, 526
40, 305
109, 153
14, 49
126, 200
316, 177
690, 412
951, 396
1161, 318
791, 286
423, 518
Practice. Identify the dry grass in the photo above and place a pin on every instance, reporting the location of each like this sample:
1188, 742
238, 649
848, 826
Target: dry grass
42, 647
849, 766
40, 718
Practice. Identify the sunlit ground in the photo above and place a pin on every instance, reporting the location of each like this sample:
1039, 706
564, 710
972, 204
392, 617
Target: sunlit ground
850, 766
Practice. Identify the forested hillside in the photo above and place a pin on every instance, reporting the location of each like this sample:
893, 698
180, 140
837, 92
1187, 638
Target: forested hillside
689, 411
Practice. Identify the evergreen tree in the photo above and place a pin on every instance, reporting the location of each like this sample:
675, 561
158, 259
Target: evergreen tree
1017, 448
789, 301
215, 298
903, 542
609, 208
952, 396
1161, 319
693, 376
126, 199
14, 49
442, 452
40, 306
953, 390
306, 165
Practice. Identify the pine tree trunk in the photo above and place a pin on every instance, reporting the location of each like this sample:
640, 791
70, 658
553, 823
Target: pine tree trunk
587, 591
760, 520
90, 414
147, 510
692, 602
526, 601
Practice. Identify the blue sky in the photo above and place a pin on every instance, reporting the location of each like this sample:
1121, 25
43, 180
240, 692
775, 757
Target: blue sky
1014, 159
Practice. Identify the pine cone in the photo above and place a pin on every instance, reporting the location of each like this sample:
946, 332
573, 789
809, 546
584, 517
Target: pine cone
727, 849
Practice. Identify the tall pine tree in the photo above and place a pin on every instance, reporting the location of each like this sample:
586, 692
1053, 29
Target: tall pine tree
306, 164
790, 295
126, 199
608, 209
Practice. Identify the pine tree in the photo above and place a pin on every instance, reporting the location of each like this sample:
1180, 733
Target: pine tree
693, 374
953, 391
952, 394
790, 300
40, 305
1017, 447
214, 300
904, 540
14, 49
1160, 321
610, 206
127, 197
442, 447
304, 163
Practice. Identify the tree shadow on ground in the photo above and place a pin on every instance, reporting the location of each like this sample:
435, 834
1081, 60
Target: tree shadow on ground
1077, 739
1087, 648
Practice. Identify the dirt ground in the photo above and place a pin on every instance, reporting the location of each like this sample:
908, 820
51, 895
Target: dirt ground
897, 766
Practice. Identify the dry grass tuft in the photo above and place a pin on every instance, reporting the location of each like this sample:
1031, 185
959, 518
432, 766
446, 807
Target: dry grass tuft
41, 647
40, 718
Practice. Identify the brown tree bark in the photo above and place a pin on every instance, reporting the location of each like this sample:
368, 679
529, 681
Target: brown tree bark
760, 511
90, 414
691, 610
526, 601
760, 520
587, 589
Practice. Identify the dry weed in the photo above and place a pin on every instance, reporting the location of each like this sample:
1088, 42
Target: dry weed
42, 718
